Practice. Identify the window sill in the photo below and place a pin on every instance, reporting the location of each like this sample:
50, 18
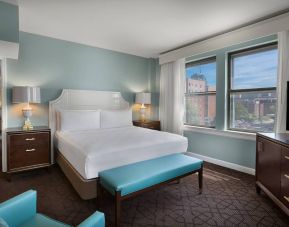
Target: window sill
225, 133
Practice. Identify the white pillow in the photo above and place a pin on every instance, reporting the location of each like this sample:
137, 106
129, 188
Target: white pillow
71, 120
115, 118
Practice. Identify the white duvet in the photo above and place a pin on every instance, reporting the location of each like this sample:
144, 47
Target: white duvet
92, 151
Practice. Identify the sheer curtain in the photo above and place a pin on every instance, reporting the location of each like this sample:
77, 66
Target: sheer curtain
172, 84
283, 77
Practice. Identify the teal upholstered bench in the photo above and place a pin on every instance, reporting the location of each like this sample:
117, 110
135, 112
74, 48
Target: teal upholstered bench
20, 211
126, 181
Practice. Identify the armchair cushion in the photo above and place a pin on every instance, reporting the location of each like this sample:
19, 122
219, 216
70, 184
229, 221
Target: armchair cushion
24, 205
20, 211
3, 223
94, 220
43, 221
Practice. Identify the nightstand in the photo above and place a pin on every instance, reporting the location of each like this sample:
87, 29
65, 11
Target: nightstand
28, 150
156, 125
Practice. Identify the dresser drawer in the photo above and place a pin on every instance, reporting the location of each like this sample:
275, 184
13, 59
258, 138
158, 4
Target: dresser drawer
23, 156
285, 176
28, 139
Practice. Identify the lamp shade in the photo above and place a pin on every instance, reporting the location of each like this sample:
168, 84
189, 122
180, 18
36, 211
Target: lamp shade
26, 94
143, 98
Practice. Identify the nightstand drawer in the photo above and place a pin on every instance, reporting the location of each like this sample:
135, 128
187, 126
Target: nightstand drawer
29, 138
148, 124
22, 156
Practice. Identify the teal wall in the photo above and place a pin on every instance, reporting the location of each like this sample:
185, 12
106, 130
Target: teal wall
238, 151
9, 22
54, 64
154, 83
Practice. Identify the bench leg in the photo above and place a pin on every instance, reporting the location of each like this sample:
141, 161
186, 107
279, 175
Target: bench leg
200, 176
117, 209
98, 192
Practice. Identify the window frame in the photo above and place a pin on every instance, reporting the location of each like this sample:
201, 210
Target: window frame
242, 52
199, 62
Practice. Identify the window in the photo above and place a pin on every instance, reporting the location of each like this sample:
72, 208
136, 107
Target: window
200, 93
252, 89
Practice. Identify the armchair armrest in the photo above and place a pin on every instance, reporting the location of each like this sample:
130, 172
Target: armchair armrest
94, 220
22, 206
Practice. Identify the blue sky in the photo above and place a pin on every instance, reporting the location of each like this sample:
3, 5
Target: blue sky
255, 70
251, 71
209, 70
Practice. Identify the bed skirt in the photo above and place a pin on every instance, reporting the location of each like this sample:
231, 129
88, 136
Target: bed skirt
86, 189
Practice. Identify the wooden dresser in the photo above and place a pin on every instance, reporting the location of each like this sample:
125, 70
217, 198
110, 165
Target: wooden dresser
272, 167
156, 125
27, 150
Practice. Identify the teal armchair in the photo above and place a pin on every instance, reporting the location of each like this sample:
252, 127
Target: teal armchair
20, 211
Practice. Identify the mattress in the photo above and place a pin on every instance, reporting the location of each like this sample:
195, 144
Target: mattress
92, 151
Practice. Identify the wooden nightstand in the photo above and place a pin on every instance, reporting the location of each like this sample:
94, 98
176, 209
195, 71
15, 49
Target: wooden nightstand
27, 150
156, 125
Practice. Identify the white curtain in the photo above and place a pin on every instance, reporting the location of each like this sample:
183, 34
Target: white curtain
172, 84
283, 77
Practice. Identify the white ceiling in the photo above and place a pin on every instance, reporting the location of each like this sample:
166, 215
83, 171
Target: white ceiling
140, 27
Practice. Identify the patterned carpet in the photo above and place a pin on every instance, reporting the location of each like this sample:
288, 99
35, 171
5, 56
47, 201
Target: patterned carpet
228, 199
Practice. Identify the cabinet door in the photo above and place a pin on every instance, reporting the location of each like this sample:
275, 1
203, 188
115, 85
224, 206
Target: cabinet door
285, 176
268, 165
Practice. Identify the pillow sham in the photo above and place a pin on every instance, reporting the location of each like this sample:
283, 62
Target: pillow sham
116, 118
71, 120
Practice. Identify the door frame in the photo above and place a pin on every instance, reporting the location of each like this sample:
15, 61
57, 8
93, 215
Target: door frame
3, 85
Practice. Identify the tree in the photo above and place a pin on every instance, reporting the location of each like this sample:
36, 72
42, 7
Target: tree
241, 112
197, 76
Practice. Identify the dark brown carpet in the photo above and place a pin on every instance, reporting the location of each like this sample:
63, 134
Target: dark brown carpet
228, 199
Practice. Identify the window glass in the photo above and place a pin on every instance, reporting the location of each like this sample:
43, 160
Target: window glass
252, 90
256, 69
200, 93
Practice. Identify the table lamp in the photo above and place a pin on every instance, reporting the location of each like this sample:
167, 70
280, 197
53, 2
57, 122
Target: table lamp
143, 99
26, 95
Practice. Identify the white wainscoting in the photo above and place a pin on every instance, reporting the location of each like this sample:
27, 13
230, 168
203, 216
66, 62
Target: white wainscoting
219, 162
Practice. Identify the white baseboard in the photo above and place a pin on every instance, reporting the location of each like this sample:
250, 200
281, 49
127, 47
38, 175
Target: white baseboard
219, 162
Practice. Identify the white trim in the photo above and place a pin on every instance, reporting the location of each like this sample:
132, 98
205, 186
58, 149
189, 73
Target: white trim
251, 32
4, 112
9, 49
219, 162
225, 133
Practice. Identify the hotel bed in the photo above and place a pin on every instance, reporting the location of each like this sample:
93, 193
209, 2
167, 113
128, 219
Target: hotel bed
83, 150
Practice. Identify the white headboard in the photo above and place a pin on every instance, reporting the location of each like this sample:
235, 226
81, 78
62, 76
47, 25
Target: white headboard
83, 100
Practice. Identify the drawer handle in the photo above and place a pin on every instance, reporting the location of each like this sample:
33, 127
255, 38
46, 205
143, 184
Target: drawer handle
286, 175
30, 139
30, 150
287, 157
287, 198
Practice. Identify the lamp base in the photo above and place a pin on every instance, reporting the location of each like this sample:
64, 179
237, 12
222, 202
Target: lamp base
142, 113
27, 125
